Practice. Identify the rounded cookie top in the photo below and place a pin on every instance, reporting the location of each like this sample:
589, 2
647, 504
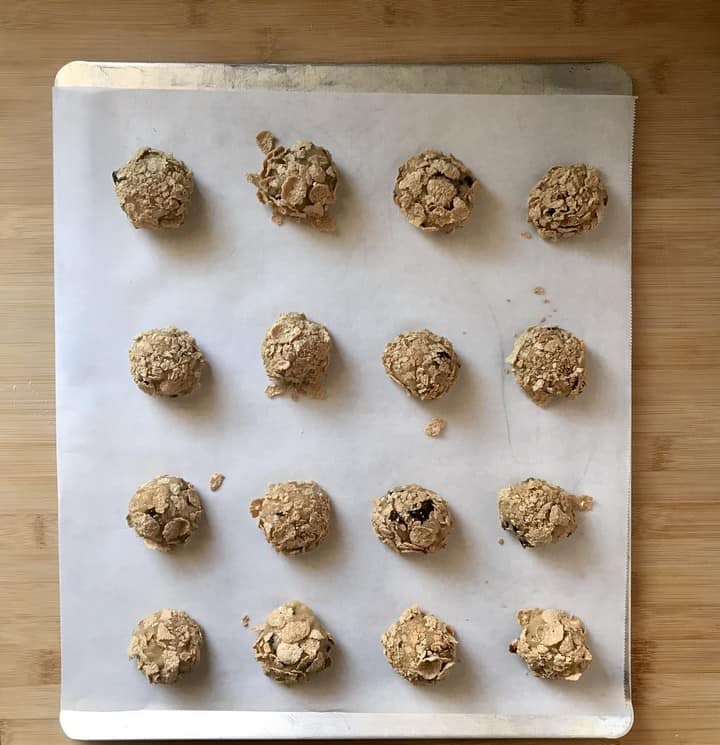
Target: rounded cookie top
422, 362
538, 512
166, 362
165, 512
298, 182
552, 643
154, 189
412, 519
166, 645
420, 647
294, 516
296, 355
435, 191
548, 363
292, 644
567, 201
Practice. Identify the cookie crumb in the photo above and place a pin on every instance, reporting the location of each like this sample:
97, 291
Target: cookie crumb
501, 541
245, 620
435, 426
216, 481
538, 290
542, 320
526, 234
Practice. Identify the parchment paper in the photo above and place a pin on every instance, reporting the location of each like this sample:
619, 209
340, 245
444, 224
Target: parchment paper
225, 277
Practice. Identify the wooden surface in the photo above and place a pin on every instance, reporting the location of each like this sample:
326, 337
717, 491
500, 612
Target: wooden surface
672, 51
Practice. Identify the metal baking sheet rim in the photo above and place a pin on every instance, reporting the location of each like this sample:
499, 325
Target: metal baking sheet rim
511, 78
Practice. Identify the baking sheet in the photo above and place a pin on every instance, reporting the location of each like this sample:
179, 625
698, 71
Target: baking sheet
225, 277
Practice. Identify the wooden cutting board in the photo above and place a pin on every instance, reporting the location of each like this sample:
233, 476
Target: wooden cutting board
671, 50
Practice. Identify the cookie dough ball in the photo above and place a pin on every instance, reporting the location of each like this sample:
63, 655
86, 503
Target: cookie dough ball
538, 512
154, 189
296, 354
553, 644
165, 512
435, 191
292, 644
548, 363
166, 645
297, 182
295, 516
166, 362
567, 201
420, 647
423, 363
412, 520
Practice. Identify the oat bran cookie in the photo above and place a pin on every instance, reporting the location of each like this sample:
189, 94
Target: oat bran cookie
154, 189
412, 519
166, 362
292, 644
422, 363
296, 355
165, 645
567, 201
294, 516
435, 191
165, 512
552, 643
420, 647
538, 512
549, 363
299, 182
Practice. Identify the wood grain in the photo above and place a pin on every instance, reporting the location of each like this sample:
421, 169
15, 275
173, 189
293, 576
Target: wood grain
672, 51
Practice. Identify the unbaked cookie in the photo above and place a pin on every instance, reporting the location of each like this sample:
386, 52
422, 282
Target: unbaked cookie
154, 189
422, 362
553, 644
166, 362
292, 644
296, 354
294, 516
435, 191
412, 519
548, 363
165, 512
567, 201
166, 645
299, 182
420, 646
538, 512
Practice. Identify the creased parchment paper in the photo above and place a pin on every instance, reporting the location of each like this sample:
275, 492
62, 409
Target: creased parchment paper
225, 276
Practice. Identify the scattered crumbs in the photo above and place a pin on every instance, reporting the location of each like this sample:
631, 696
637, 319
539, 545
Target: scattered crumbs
542, 320
554, 310
435, 426
275, 390
464, 332
546, 300
216, 481
245, 620
538, 290
507, 371
501, 541
507, 300
526, 234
